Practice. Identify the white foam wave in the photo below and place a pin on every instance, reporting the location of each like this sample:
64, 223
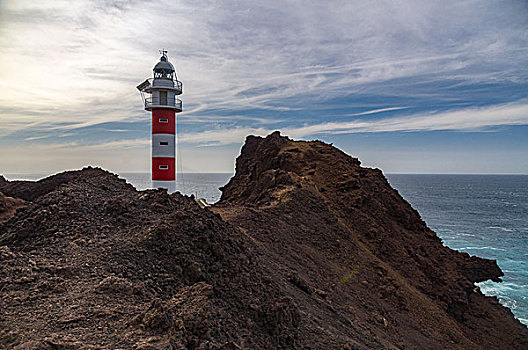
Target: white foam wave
508, 302
501, 228
498, 289
481, 248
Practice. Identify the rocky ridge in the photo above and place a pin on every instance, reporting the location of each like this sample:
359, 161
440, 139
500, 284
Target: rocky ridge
95, 264
305, 250
358, 246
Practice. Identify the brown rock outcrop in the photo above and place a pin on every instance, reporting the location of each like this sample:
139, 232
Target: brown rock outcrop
341, 228
94, 264
9, 206
305, 250
30, 190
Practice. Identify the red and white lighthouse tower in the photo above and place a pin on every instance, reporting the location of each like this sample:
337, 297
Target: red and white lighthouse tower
160, 95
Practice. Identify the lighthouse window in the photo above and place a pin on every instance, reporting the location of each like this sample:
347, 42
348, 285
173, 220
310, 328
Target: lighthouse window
163, 120
163, 97
164, 167
164, 143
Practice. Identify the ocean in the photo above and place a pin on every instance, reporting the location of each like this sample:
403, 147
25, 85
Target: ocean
202, 185
483, 215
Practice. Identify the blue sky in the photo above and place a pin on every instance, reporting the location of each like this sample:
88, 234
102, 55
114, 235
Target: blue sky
406, 86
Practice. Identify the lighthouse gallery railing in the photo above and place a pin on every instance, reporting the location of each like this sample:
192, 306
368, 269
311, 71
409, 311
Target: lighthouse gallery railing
171, 83
156, 101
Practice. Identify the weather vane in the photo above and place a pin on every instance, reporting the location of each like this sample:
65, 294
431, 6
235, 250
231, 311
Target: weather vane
163, 52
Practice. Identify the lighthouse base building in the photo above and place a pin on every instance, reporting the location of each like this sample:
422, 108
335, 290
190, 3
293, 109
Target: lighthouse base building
160, 96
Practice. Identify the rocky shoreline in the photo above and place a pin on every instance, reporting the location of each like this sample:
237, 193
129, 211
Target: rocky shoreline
305, 250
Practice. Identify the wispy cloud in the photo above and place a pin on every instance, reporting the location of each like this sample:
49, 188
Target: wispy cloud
252, 67
32, 138
107, 146
375, 111
473, 119
254, 56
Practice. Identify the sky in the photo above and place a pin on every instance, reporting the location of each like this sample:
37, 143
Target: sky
406, 86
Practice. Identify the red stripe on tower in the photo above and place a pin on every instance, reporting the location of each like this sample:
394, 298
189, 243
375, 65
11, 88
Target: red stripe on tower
163, 168
160, 96
163, 121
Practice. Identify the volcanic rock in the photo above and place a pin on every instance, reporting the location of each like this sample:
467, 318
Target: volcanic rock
93, 263
305, 250
326, 223
8, 206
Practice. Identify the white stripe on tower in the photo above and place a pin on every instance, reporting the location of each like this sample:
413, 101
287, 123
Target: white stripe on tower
163, 145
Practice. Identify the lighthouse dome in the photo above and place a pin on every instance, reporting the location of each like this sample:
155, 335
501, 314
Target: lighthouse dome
164, 69
164, 65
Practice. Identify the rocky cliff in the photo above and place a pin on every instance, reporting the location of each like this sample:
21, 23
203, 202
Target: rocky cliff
306, 249
94, 264
360, 256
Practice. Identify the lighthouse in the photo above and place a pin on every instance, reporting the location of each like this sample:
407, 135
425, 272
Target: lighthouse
160, 96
